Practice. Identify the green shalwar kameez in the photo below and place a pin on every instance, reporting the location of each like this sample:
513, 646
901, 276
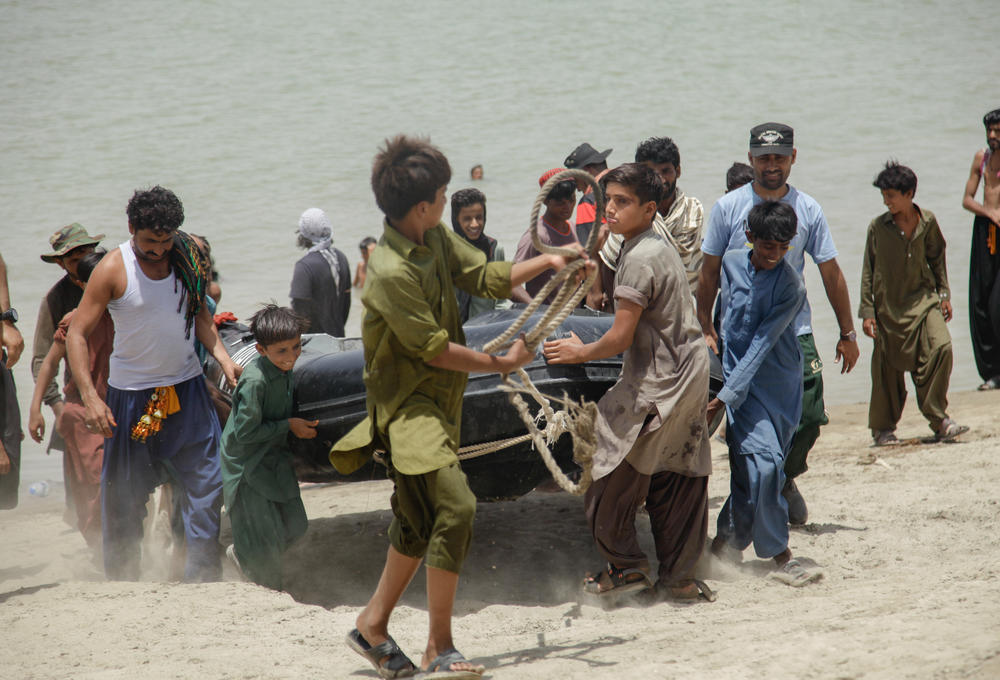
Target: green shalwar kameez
258, 480
903, 282
415, 409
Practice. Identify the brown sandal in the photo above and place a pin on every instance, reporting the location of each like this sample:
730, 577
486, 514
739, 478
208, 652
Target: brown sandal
612, 582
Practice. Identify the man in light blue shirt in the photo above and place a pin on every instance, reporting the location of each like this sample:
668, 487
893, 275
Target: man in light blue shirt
772, 154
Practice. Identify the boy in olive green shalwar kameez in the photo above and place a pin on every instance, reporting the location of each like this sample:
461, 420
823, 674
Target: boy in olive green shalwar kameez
416, 366
905, 303
259, 486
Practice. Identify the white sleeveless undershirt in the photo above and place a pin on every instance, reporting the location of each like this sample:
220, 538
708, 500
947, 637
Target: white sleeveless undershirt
150, 348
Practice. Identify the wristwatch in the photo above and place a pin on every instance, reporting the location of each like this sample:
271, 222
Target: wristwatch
9, 315
850, 336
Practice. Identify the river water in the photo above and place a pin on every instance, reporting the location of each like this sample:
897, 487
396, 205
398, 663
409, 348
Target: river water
254, 111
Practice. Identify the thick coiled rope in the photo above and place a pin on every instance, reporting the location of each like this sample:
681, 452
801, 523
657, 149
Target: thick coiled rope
576, 418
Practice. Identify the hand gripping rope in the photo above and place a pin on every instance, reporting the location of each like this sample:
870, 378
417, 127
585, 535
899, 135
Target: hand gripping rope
577, 418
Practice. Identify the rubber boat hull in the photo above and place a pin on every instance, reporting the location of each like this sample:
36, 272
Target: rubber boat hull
329, 387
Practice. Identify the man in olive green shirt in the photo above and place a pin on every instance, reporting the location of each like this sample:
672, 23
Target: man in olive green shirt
416, 367
905, 303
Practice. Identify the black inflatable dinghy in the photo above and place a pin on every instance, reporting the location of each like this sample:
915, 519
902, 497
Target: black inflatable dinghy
328, 387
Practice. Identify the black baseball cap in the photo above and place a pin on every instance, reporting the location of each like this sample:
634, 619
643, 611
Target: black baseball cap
776, 138
585, 155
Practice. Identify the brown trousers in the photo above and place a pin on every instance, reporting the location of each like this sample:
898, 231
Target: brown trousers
929, 363
85, 457
678, 516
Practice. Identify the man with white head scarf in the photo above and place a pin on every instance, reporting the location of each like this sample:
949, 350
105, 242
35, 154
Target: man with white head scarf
321, 282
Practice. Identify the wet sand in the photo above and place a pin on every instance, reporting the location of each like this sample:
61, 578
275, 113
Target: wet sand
908, 539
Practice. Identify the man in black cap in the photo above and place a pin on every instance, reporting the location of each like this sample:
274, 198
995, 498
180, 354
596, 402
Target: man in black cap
585, 157
69, 245
772, 153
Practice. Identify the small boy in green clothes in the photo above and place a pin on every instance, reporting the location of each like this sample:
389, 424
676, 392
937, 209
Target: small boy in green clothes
258, 482
416, 366
905, 304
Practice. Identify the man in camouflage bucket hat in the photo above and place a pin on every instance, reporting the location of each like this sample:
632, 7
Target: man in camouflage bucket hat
69, 245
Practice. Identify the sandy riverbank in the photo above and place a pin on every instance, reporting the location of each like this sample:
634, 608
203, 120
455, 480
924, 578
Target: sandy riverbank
909, 542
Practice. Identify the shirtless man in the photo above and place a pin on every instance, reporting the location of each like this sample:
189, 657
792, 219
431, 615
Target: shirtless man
984, 267
158, 420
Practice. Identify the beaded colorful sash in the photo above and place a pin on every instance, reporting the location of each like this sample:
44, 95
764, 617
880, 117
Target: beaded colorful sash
162, 403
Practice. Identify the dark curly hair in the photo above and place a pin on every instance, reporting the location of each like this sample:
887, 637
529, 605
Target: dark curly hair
407, 171
992, 118
156, 209
160, 211
463, 198
896, 176
658, 150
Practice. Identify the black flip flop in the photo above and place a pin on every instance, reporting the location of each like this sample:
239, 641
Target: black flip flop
397, 664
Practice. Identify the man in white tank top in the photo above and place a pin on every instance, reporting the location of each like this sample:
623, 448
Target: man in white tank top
158, 422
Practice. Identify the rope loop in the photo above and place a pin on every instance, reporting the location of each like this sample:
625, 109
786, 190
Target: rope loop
576, 418
568, 296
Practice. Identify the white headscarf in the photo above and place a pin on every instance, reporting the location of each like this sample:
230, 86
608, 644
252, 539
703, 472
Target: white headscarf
315, 227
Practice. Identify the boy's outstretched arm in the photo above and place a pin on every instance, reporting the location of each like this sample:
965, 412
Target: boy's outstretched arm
456, 357
571, 350
529, 269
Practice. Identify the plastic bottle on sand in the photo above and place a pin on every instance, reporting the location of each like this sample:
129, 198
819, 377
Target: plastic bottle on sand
39, 489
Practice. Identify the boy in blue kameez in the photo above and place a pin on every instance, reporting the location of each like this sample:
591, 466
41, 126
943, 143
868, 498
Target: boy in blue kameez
763, 390
259, 485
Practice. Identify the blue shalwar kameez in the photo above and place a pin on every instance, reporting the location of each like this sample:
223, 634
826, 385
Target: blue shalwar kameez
762, 367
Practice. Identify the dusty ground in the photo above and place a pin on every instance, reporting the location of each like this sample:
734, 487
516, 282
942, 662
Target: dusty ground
909, 543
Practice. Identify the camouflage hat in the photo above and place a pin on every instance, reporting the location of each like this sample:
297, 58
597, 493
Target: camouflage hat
68, 238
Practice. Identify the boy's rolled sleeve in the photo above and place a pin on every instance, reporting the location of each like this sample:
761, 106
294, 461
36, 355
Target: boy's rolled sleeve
401, 302
635, 283
632, 295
